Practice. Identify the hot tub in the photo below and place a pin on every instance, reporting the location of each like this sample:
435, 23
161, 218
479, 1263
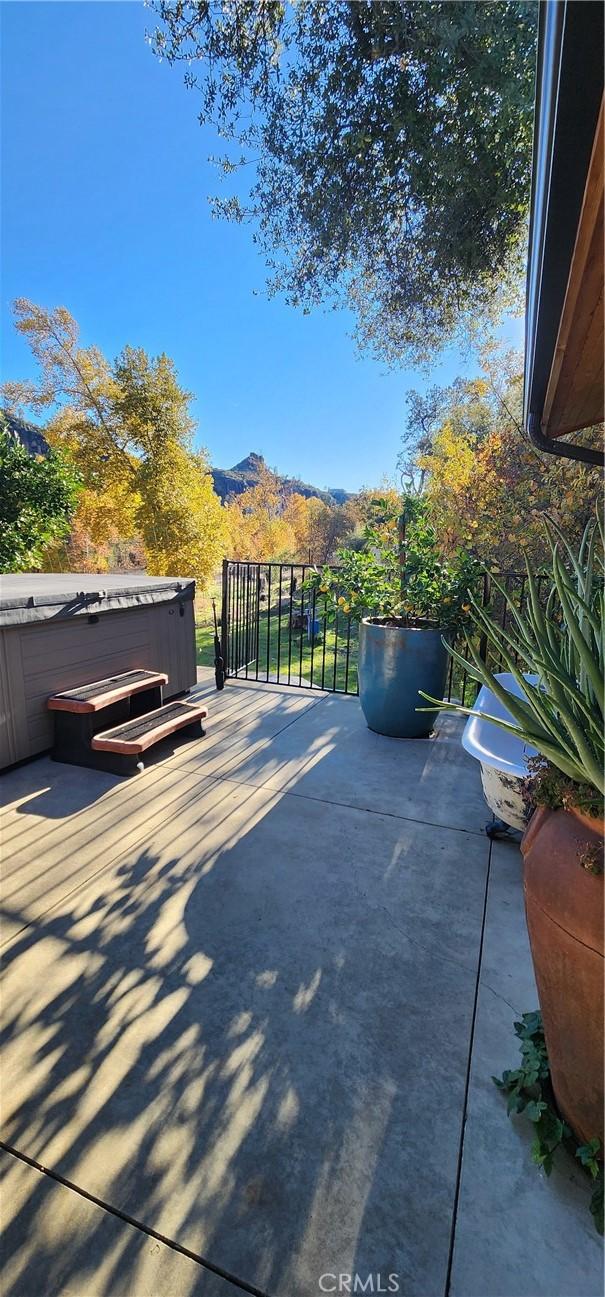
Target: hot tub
66, 629
503, 757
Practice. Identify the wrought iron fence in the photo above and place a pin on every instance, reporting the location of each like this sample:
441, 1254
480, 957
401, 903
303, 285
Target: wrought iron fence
275, 630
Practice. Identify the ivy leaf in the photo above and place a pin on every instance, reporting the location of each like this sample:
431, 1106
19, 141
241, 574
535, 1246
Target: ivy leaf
542, 1156
587, 1154
535, 1108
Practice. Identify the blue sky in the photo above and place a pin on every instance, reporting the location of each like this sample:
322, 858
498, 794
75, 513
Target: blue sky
105, 183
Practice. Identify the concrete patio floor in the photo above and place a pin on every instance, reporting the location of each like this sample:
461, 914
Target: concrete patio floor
253, 1000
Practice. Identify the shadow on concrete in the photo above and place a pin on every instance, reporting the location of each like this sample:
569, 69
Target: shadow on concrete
261, 1053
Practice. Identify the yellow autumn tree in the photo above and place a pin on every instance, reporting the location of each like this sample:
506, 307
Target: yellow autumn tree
330, 525
298, 517
256, 525
268, 523
181, 518
494, 495
110, 502
127, 427
484, 483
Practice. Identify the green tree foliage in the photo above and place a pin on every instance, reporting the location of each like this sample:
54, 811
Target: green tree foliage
37, 500
127, 428
400, 574
390, 143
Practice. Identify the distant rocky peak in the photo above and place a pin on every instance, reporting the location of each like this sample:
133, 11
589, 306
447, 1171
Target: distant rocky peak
253, 463
229, 482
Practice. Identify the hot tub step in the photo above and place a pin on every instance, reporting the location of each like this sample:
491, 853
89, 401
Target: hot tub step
137, 735
102, 693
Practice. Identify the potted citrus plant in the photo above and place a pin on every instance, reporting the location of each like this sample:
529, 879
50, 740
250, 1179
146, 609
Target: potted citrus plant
561, 716
408, 598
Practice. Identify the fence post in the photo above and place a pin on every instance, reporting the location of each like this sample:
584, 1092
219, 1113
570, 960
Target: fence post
224, 618
487, 594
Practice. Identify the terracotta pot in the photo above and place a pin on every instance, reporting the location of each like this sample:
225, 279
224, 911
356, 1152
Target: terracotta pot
564, 908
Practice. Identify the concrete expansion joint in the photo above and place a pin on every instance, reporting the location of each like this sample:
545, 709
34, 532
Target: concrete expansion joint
136, 1224
467, 1085
428, 949
485, 986
347, 806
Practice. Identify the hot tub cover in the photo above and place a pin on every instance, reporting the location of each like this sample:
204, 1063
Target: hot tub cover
42, 596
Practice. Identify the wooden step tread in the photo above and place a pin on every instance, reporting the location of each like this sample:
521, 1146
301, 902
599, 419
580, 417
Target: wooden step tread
100, 693
142, 732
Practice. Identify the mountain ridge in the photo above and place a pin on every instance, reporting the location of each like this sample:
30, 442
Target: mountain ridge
247, 473
227, 481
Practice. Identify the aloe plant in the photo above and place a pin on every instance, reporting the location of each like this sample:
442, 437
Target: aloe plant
562, 645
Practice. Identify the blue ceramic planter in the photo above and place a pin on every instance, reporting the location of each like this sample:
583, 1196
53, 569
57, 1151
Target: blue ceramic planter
394, 663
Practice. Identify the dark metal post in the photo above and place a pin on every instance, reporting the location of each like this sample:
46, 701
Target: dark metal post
292, 587
487, 594
225, 617
279, 598
269, 566
257, 631
401, 525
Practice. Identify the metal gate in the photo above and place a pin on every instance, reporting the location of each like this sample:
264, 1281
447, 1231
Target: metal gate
242, 621
274, 630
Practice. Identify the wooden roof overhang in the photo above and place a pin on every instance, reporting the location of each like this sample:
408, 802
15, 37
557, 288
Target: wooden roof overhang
564, 378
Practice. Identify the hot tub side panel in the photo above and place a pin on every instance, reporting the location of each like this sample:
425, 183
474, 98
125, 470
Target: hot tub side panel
47, 656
